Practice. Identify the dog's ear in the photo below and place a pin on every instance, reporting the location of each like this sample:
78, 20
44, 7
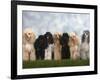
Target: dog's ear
23, 38
83, 37
77, 40
88, 36
70, 41
51, 40
33, 37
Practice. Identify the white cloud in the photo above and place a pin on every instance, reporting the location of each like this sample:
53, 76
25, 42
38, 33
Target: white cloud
42, 22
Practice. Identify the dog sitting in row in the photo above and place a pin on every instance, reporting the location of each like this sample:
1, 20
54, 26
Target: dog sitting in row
27, 45
84, 50
60, 46
65, 50
74, 43
57, 46
49, 49
40, 45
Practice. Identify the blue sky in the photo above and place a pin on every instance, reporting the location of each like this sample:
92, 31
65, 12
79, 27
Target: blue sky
42, 22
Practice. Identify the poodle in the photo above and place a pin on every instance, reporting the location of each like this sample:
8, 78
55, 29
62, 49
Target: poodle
74, 43
84, 50
65, 50
27, 43
57, 46
49, 49
40, 46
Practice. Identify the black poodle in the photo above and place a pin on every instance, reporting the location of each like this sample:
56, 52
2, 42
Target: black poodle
40, 45
65, 51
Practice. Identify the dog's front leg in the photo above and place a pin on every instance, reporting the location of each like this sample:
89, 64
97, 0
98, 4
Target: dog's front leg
33, 55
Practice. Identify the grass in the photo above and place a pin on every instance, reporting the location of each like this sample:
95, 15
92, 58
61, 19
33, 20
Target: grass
52, 63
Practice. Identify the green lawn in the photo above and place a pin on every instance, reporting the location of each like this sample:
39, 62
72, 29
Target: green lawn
52, 63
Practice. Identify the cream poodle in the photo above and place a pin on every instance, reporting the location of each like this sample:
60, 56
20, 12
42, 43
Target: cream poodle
28, 45
74, 43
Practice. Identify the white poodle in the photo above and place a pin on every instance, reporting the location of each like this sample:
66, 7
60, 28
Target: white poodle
84, 51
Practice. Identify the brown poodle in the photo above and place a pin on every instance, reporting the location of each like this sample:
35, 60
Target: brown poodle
57, 46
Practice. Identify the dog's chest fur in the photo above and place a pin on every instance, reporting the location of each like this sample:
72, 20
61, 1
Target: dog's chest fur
85, 46
28, 47
48, 52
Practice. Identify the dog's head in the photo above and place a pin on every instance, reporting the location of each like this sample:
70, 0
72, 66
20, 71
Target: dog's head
42, 42
57, 36
28, 35
64, 39
74, 39
49, 37
86, 36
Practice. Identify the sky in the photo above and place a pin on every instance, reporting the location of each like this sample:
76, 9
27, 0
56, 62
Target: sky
42, 22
